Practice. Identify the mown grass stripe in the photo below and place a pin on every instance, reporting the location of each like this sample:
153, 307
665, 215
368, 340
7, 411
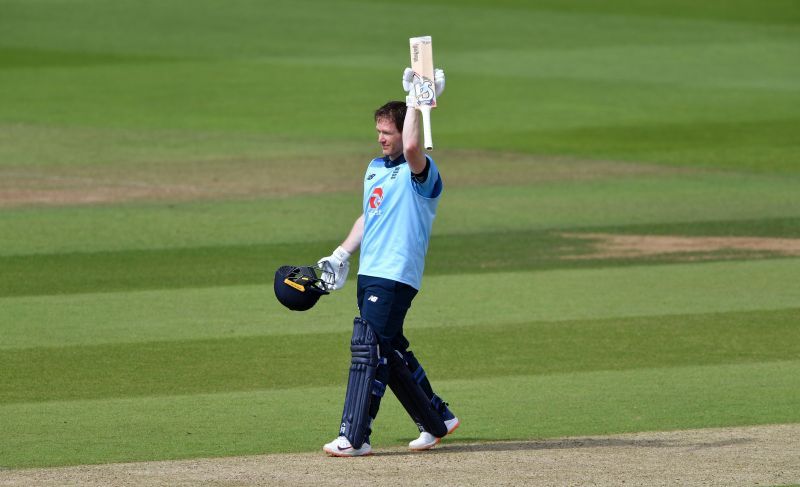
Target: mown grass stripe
550, 205
491, 408
68, 273
500, 298
284, 361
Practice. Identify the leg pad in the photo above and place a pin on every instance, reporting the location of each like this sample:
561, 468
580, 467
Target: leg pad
413, 398
361, 384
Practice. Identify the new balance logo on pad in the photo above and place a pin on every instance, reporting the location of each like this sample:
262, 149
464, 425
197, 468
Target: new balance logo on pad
373, 299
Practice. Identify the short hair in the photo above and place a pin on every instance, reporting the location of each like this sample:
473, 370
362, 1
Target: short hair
394, 111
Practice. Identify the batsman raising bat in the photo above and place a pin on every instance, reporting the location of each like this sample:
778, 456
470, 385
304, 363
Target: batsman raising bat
401, 193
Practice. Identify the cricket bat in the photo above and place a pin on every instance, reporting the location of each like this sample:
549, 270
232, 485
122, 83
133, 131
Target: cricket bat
424, 89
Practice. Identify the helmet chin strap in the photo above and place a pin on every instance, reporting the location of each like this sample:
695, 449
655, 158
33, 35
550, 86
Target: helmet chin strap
327, 275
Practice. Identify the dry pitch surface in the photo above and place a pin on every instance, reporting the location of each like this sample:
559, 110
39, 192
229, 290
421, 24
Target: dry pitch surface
758, 455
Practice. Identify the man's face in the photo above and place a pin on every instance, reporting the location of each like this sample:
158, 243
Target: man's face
389, 137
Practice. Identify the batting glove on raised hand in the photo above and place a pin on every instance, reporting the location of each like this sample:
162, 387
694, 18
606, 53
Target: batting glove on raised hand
408, 85
438, 81
335, 268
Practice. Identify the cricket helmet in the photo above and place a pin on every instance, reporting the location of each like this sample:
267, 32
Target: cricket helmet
298, 287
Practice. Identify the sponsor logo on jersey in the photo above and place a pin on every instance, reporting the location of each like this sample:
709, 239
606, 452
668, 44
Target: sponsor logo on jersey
375, 199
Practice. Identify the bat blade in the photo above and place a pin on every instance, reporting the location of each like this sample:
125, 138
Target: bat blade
424, 89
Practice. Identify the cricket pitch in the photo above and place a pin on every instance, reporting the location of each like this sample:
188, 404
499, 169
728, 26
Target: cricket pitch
757, 455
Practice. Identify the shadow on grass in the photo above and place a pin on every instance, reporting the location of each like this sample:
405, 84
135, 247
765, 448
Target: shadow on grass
569, 444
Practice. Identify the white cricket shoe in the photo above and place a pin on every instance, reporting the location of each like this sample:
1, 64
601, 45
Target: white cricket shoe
426, 441
452, 424
341, 447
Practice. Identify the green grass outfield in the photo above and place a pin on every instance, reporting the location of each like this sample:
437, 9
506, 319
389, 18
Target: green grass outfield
159, 160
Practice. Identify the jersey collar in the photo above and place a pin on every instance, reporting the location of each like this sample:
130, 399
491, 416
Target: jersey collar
389, 163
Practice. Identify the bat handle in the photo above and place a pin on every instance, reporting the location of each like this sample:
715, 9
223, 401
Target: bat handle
425, 110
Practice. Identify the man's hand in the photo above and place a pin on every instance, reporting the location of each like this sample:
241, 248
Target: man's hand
438, 81
335, 268
408, 85
408, 80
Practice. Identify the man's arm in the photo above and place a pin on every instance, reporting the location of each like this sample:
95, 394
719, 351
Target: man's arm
412, 149
353, 240
336, 266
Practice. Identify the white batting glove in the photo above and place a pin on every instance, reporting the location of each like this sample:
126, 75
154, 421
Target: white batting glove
335, 268
408, 80
438, 81
408, 85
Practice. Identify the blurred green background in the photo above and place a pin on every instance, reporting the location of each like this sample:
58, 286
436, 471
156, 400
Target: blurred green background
158, 160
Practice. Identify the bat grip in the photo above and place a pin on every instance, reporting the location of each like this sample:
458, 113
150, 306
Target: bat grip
426, 126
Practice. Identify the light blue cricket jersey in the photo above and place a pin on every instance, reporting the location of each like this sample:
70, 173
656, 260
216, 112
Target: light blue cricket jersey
398, 215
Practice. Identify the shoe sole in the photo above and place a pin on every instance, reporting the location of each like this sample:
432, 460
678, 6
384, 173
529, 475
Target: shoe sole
337, 454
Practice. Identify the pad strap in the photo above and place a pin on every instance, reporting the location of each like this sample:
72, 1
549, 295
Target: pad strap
378, 388
418, 375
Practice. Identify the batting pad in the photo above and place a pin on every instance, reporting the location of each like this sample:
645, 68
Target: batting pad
413, 398
363, 366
